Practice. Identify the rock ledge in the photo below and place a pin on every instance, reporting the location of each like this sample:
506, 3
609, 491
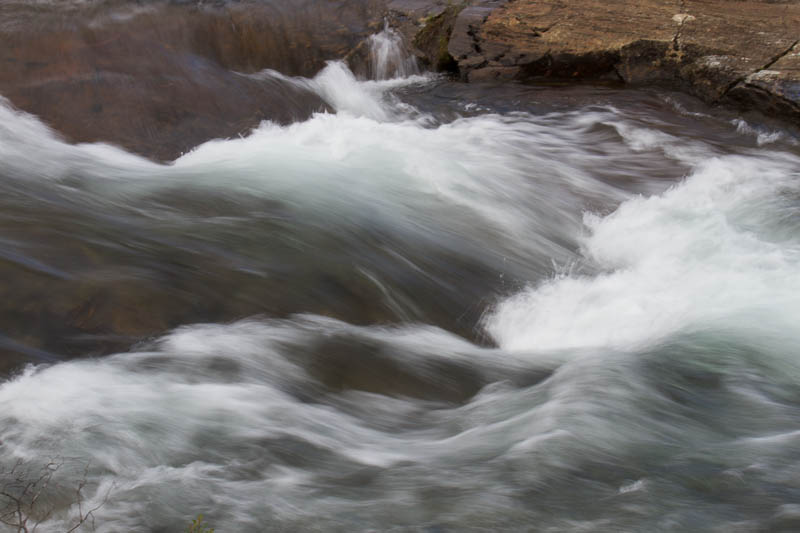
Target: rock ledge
744, 53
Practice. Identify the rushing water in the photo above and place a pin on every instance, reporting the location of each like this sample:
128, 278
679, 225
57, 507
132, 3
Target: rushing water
438, 308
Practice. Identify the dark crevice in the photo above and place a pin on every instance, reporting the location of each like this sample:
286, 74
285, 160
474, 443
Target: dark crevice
616, 72
729, 88
779, 56
676, 41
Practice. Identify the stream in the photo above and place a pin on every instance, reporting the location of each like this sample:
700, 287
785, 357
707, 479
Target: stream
432, 307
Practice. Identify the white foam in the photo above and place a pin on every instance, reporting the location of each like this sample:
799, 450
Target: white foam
763, 135
709, 253
29, 149
345, 93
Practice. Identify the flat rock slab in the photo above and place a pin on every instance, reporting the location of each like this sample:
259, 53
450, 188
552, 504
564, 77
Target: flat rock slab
723, 51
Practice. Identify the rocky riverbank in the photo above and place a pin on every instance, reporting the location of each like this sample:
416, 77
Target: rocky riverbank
157, 78
740, 53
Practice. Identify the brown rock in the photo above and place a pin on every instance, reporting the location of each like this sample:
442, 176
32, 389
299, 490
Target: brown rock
463, 42
741, 52
160, 78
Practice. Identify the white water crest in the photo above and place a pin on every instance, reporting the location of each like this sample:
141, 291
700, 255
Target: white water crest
31, 150
345, 93
391, 66
719, 251
640, 368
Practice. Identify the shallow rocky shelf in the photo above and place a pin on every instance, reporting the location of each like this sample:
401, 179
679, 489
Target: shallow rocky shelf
742, 53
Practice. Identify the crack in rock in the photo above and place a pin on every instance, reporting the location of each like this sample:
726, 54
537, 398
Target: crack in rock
755, 72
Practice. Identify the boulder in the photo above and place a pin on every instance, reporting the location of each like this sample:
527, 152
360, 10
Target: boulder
159, 78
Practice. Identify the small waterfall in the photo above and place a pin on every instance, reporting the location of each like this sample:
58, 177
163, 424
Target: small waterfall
389, 57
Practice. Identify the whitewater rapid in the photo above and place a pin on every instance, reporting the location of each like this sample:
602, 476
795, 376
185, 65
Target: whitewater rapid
631, 274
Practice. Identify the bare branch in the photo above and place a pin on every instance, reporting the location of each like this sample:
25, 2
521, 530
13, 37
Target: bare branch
83, 518
22, 494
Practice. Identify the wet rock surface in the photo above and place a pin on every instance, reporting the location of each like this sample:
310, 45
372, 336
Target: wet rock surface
743, 53
159, 78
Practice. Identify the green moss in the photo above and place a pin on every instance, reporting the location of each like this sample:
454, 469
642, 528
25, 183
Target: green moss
199, 526
434, 37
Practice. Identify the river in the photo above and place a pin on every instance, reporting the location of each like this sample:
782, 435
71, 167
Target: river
433, 307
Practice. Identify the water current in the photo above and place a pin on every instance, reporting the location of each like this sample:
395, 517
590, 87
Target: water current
436, 307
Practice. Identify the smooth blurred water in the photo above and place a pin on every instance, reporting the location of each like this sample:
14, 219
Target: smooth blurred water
438, 308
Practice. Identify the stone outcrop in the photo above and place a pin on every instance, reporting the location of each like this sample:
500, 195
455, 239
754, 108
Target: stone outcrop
158, 78
744, 53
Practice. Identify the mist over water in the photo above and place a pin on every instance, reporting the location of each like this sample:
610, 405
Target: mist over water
435, 307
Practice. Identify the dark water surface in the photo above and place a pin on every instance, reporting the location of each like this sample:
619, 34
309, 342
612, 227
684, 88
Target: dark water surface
435, 307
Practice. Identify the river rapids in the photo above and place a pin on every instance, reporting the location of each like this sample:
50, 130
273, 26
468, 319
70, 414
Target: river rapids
431, 307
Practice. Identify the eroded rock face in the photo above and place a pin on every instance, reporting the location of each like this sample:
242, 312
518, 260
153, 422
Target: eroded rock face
736, 52
158, 78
